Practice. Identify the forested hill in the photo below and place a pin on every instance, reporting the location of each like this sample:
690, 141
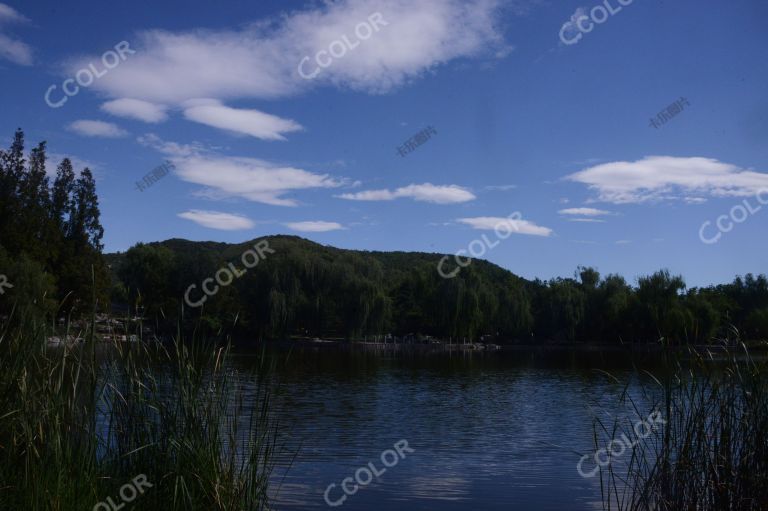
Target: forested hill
51, 267
304, 288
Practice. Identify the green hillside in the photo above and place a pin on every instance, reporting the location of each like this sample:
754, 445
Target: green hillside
304, 288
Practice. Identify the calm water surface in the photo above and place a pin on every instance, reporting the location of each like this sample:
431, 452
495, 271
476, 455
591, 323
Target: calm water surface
499, 430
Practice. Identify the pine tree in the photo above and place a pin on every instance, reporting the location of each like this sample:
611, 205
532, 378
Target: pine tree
61, 201
12, 165
34, 197
56, 230
85, 226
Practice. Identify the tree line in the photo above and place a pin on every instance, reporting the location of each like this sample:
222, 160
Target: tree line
51, 252
314, 290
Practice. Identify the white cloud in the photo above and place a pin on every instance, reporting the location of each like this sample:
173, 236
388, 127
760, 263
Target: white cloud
261, 60
218, 220
524, 7
314, 226
427, 192
252, 179
584, 212
16, 51
587, 220
136, 109
249, 178
97, 129
11, 49
249, 122
169, 148
501, 188
657, 178
490, 223
11, 15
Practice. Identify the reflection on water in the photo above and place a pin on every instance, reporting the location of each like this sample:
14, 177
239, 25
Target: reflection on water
500, 430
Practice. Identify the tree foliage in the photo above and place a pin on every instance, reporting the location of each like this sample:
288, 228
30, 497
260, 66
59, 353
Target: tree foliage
312, 290
51, 243
50, 235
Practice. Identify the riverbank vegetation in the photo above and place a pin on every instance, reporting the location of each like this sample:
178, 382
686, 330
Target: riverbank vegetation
711, 451
81, 422
50, 251
311, 290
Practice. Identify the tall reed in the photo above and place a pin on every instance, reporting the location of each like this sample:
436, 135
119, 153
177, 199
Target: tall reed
79, 422
712, 451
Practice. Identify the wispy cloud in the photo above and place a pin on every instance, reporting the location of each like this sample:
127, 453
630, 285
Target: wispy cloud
169, 148
427, 192
656, 178
248, 122
314, 226
490, 223
500, 188
90, 128
218, 220
587, 220
584, 212
136, 109
10, 15
12, 49
249, 178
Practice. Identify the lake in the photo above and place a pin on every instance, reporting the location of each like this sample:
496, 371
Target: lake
484, 430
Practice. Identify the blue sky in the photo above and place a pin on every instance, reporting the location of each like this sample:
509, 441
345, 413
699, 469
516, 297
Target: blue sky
524, 123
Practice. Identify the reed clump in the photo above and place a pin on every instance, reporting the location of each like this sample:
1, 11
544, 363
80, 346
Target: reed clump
711, 450
79, 422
